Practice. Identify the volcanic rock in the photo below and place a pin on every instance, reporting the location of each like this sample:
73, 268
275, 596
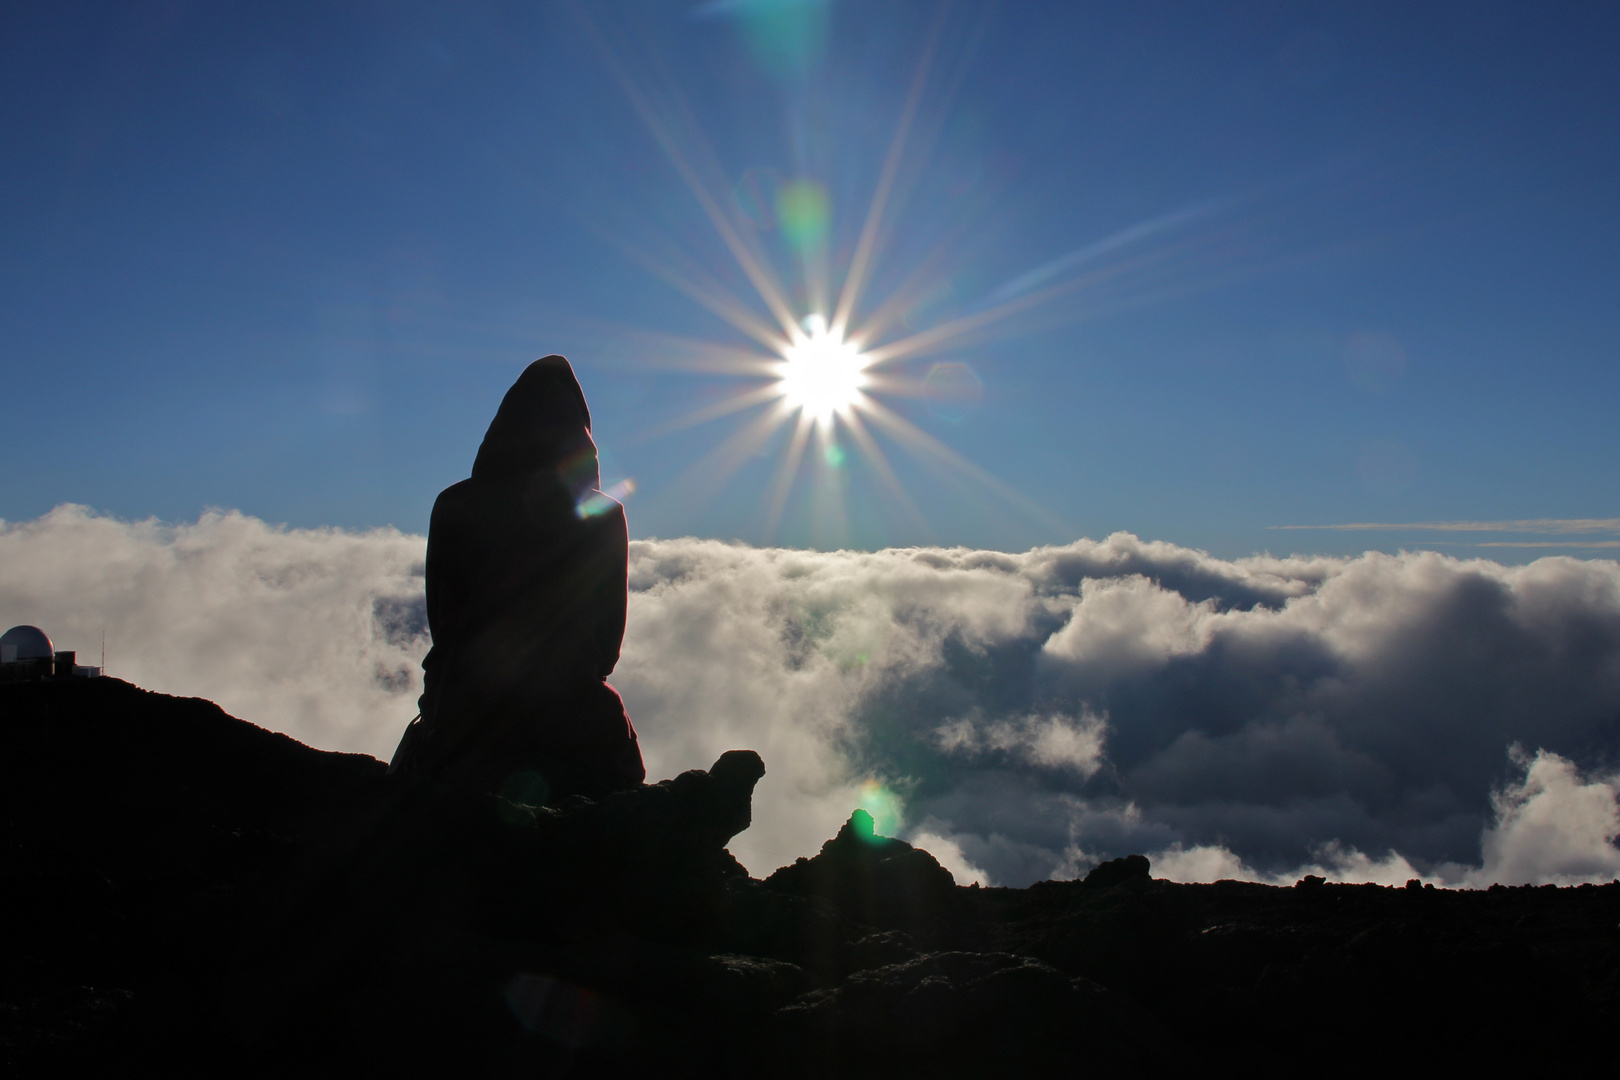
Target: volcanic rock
186, 893
1132, 868
876, 881
969, 1014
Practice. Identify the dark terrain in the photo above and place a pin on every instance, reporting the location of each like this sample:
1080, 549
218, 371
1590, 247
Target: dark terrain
184, 892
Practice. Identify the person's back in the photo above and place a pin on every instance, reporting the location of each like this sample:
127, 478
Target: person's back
526, 603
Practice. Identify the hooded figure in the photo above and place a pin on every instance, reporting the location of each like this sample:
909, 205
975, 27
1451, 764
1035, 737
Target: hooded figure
526, 592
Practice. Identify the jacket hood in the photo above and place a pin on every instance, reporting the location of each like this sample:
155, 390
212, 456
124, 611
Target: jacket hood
543, 424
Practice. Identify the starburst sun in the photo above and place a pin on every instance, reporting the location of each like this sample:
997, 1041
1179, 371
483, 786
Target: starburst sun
823, 376
822, 372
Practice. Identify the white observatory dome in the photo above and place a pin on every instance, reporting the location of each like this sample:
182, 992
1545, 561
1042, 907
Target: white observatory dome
24, 643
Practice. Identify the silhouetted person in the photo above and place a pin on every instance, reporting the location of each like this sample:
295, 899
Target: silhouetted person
526, 591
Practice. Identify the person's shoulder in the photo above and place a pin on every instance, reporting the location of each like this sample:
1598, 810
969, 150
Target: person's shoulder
460, 487
460, 497
462, 490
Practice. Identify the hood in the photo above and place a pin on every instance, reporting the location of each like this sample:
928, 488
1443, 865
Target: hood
543, 424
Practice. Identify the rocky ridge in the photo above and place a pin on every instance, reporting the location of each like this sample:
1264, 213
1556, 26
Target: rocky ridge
185, 891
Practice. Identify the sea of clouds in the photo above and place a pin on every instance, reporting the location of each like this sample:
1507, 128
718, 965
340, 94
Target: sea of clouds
1022, 716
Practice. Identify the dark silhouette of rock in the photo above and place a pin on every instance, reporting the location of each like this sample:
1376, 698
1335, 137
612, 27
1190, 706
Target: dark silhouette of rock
969, 1014
136, 825
876, 881
1132, 868
526, 593
439, 902
186, 894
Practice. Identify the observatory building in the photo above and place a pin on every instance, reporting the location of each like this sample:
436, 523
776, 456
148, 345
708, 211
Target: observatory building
26, 656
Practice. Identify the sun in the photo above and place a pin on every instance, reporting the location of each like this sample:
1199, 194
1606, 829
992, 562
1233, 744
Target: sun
827, 377
822, 373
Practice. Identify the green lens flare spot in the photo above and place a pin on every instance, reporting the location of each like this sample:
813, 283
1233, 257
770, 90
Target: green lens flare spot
803, 212
787, 38
884, 806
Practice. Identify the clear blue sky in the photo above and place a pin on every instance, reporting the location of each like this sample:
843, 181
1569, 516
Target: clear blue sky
1321, 263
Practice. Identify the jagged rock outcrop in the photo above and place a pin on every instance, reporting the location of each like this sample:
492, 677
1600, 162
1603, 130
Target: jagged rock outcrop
1131, 868
504, 919
876, 881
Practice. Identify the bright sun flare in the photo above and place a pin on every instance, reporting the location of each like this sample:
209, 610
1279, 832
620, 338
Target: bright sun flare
822, 373
825, 377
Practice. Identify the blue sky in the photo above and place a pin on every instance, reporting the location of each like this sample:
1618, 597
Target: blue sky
1307, 264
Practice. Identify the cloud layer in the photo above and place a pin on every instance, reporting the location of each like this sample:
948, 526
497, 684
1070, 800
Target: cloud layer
1023, 715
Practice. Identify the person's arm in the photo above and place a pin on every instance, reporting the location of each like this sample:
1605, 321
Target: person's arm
613, 592
443, 601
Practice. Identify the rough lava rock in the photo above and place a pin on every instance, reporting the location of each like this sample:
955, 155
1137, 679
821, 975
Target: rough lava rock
876, 881
186, 893
1131, 868
969, 1014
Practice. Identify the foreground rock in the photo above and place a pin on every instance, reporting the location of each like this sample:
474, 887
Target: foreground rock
190, 893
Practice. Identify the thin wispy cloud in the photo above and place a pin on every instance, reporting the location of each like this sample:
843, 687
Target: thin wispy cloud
1555, 526
1582, 544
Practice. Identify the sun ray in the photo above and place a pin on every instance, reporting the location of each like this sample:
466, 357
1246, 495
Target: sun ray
674, 352
1120, 239
757, 272
711, 294
880, 464
782, 486
831, 517
700, 482
1020, 295
855, 279
936, 337
884, 382
922, 277
920, 441
745, 400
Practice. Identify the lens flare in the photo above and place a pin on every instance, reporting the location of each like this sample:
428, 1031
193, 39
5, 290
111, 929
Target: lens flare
804, 211
952, 389
593, 503
822, 373
884, 806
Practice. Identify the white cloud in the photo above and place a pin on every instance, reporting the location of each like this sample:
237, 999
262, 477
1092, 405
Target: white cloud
949, 854
1552, 826
1130, 624
1555, 826
1205, 863
1054, 741
730, 646
1339, 863
1032, 712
